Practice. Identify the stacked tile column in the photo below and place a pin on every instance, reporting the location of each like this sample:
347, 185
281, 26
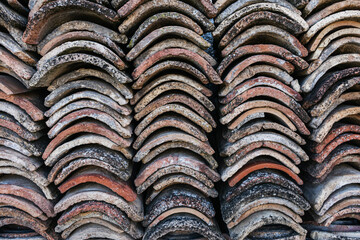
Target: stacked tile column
264, 123
173, 113
331, 85
26, 195
89, 118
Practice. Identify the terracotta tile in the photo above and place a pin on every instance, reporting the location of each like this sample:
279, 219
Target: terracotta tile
38, 177
260, 69
230, 16
178, 53
24, 220
82, 73
123, 112
235, 208
100, 176
343, 154
161, 19
95, 85
268, 49
88, 46
256, 166
327, 82
97, 231
163, 66
340, 176
59, 123
258, 126
82, 140
97, 208
336, 210
110, 160
179, 179
58, 66
164, 136
14, 48
339, 113
18, 160
23, 205
175, 197
39, 26
165, 80
314, 44
256, 18
96, 222
175, 109
268, 59
317, 235
326, 22
259, 219
228, 149
189, 224
95, 192
277, 147
177, 98
344, 194
228, 7
258, 177
11, 16
147, 9
266, 92
170, 122
282, 37
174, 43
208, 158
87, 127
172, 158
10, 85
25, 189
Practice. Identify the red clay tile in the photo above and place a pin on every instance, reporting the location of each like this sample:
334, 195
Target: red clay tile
88, 127
98, 175
170, 122
268, 92
177, 98
268, 49
258, 177
149, 8
108, 159
172, 135
95, 192
257, 18
58, 66
178, 53
163, 19
175, 159
101, 116
174, 43
189, 224
174, 109
258, 126
108, 210
282, 38
256, 166
40, 23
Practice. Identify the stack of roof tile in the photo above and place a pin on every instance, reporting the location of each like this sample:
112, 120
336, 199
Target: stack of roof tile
89, 117
173, 111
26, 196
331, 84
264, 121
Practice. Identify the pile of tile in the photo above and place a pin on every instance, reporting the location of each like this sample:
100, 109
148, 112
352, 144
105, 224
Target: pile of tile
331, 84
89, 118
264, 121
26, 196
173, 110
